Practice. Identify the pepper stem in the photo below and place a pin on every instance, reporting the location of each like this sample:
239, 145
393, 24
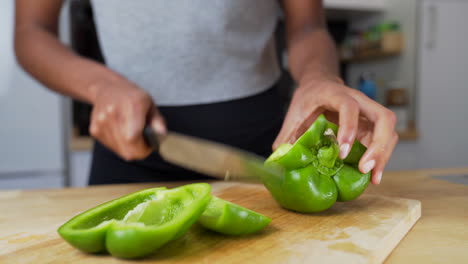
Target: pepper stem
331, 135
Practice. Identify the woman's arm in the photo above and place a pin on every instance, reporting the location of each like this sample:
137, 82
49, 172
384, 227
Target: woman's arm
120, 108
314, 65
40, 52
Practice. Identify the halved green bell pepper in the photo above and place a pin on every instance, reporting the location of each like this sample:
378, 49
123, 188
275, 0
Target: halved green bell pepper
315, 185
137, 224
231, 219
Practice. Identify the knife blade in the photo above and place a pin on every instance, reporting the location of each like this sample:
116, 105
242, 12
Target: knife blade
209, 158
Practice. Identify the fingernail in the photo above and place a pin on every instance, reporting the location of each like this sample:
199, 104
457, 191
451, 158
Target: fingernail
368, 166
159, 127
378, 178
344, 151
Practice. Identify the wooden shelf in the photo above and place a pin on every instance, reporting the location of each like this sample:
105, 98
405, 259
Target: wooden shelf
389, 45
81, 143
372, 55
410, 134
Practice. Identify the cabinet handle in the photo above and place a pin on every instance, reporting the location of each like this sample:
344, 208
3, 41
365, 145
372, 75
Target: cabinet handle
432, 27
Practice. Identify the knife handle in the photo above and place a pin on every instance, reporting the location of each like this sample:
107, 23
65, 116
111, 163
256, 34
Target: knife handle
151, 137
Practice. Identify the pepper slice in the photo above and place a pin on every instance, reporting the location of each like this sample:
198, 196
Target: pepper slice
137, 224
231, 219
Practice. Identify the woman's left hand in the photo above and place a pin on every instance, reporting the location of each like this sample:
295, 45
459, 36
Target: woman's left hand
358, 117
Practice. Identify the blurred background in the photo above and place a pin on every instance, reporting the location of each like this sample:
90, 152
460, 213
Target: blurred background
409, 55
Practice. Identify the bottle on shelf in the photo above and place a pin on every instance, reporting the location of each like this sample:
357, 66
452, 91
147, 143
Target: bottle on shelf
367, 85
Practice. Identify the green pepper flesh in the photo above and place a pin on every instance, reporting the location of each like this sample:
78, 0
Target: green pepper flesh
231, 219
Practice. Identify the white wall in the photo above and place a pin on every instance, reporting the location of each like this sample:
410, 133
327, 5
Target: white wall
31, 128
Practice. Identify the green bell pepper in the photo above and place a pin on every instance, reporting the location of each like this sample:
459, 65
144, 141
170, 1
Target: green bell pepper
137, 224
231, 219
316, 183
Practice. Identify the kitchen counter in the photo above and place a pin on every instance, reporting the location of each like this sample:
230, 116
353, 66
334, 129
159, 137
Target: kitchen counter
440, 236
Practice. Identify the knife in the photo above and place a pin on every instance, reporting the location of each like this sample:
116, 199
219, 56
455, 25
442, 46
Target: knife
208, 157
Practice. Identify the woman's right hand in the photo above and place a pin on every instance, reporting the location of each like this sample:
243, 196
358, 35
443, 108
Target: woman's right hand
120, 113
121, 109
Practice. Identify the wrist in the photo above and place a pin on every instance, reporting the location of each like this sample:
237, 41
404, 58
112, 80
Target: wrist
101, 86
318, 77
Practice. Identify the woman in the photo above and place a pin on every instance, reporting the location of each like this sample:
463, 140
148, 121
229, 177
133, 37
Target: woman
207, 70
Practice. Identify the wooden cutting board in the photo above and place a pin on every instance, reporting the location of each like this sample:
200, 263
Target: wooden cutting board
362, 231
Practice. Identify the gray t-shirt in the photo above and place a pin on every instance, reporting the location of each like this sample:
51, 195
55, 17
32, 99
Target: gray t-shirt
186, 52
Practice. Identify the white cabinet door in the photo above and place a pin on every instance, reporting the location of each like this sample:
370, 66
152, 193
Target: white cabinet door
443, 83
358, 5
31, 138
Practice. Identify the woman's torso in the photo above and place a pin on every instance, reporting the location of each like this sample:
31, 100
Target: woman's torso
186, 52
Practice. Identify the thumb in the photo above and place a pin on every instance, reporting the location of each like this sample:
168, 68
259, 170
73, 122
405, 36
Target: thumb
157, 121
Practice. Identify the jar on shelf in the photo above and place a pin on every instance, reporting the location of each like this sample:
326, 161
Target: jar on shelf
397, 101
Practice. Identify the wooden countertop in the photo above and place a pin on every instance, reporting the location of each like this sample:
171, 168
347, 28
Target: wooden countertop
440, 236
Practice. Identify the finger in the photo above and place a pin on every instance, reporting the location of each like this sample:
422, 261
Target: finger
348, 124
364, 129
384, 125
114, 125
380, 148
99, 129
134, 116
157, 121
382, 162
348, 117
133, 146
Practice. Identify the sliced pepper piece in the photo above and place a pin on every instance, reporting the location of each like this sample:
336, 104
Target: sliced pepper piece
231, 219
137, 224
